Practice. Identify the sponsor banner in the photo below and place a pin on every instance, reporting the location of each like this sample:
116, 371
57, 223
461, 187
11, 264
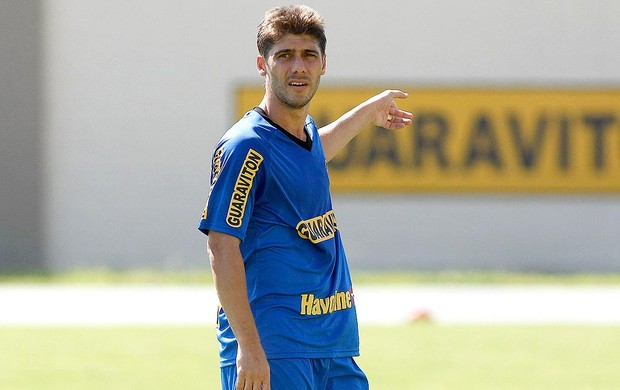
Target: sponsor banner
478, 140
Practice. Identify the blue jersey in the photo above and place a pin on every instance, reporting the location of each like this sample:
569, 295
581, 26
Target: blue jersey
271, 190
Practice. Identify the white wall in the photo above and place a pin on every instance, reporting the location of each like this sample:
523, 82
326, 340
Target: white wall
138, 92
21, 244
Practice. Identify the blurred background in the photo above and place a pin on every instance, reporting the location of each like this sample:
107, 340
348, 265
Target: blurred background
109, 113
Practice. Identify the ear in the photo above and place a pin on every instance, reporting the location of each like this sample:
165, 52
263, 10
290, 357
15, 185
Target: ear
324, 67
260, 64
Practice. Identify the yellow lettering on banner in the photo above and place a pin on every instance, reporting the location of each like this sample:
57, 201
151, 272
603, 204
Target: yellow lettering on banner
477, 140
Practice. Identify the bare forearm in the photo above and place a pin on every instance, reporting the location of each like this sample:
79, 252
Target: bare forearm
380, 110
336, 135
230, 284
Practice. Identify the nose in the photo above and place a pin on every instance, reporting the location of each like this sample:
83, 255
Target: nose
299, 66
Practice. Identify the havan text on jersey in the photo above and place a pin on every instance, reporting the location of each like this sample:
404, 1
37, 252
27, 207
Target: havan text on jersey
312, 306
239, 197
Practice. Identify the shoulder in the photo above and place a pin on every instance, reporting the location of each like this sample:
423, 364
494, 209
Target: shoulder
250, 132
246, 143
312, 128
310, 123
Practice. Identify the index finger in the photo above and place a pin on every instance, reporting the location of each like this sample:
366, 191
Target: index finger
397, 93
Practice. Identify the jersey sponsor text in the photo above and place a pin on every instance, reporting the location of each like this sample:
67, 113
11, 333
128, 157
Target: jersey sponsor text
319, 228
239, 197
216, 165
312, 306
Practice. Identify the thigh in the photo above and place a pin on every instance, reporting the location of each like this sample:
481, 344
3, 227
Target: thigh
287, 374
344, 373
228, 377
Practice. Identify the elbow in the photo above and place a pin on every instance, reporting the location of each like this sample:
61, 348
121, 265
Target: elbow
221, 248
216, 254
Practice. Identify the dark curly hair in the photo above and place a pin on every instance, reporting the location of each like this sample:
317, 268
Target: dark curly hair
293, 19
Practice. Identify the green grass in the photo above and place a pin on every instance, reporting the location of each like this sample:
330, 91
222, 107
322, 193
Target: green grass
203, 276
422, 356
492, 357
484, 277
110, 276
108, 358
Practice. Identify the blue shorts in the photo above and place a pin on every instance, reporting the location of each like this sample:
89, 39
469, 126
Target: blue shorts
307, 374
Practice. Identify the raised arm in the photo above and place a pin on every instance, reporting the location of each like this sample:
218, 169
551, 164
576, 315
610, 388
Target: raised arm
229, 278
380, 110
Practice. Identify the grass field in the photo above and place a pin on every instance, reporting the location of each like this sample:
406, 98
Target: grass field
203, 276
415, 356
421, 356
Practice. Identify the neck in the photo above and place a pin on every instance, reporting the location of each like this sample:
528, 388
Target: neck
290, 119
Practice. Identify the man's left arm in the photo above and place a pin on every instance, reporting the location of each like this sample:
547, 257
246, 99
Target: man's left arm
380, 110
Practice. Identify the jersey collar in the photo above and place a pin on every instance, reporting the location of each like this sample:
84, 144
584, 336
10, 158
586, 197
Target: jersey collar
307, 144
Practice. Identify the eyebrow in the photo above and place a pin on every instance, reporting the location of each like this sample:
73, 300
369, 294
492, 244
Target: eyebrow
293, 50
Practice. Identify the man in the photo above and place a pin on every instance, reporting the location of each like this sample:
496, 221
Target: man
288, 318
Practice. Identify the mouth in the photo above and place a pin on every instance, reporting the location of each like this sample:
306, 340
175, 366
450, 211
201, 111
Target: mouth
297, 84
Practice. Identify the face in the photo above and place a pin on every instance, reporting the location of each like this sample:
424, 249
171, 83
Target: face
293, 69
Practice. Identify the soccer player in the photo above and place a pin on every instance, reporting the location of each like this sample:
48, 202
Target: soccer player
288, 318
